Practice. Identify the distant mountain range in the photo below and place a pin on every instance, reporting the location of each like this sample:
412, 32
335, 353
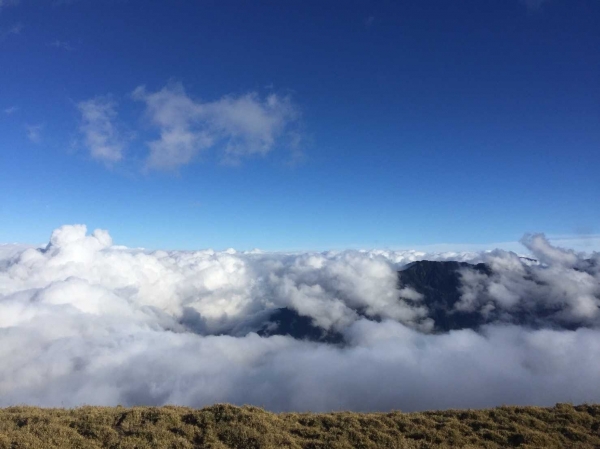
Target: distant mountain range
440, 284
286, 321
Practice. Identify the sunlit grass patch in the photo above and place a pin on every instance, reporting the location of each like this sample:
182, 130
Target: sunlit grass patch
225, 426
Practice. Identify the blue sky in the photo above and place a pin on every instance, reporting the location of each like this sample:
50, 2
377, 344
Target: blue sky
300, 124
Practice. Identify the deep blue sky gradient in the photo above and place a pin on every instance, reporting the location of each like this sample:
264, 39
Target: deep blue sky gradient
422, 121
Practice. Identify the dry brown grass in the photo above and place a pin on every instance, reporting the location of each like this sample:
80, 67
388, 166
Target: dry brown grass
226, 426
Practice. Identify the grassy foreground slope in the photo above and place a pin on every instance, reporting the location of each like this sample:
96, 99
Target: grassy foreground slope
226, 426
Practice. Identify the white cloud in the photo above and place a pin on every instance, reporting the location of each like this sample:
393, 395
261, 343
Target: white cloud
541, 248
8, 250
563, 288
34, 133
239, 126
10, 110
100, 132
105, 324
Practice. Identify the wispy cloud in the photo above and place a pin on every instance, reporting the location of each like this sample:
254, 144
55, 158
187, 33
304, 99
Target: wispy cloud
369, 21
63, 45
10, 110
239, 126
63, 2
5, 3
34, 133
534, 5
13, 30
100, 133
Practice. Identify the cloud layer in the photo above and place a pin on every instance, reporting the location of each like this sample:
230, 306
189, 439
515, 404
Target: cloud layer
86, 321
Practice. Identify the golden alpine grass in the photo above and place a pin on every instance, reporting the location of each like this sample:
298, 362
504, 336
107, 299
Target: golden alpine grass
225, 426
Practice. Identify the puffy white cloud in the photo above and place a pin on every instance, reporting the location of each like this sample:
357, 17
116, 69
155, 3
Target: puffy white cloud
543, 251
83, 321
563, 287
240, 126
100, 133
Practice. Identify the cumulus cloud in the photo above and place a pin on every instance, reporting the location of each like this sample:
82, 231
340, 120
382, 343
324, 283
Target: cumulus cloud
561, 288
7, 250
541, 248
100, 132
84, 321
239, 126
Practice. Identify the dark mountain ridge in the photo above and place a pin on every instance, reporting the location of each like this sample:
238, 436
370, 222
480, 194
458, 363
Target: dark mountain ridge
439, 283
286, 321
442, 286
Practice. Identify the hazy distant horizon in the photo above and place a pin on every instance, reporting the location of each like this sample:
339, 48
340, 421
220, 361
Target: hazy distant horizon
585, 244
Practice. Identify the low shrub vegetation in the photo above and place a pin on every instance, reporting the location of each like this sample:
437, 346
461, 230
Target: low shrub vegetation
225, 426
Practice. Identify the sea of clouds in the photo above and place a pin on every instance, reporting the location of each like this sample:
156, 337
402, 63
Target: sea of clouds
84, 321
